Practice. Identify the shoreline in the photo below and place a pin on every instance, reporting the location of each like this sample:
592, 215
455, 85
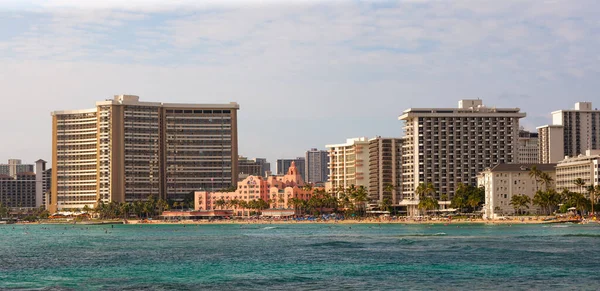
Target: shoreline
260, 221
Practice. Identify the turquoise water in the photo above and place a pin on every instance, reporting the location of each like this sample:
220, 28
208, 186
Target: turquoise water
300, 257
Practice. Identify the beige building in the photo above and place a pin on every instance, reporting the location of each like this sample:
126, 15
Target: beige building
447, 146
527, 147
550, 147
126, 150
581, 131
349, 163
384, 168
504, 181
583, 166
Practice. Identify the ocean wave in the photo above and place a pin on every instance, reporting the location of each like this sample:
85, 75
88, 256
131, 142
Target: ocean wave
338, 244
581, 235
424, 234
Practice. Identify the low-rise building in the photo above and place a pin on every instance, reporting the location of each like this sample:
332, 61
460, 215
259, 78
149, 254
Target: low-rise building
277, 191
504, 181
584, 167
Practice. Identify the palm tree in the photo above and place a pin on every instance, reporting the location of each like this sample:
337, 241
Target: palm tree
220, 203
428, 203
579, 182
520, 201
546, 179
535, 174
360, 196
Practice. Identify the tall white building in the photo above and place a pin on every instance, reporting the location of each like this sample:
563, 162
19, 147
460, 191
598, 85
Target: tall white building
447, 146
349, 163
527, 147
316, 166
580, 128
584, 166
550, 146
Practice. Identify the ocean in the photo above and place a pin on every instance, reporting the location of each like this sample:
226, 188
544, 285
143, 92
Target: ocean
300, 257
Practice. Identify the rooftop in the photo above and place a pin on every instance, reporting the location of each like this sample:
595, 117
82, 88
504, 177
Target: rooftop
522, 167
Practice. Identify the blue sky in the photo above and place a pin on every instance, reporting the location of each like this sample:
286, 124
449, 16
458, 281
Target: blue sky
305, 73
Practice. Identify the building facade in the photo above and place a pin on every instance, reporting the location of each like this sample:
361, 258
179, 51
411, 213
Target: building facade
283, 165
527, 147
125, 150
349, 164
277, 191
550, 143
584, 166
317, 170
504, 181
14, 167
250, 167
385, 156
580, 130
18, 191
447, 146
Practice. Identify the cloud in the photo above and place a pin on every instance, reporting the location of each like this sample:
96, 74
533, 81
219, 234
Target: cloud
294, 66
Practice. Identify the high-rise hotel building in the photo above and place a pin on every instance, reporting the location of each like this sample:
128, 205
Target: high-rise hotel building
349, 163
126, 150
447, 146
580, 132
385, 157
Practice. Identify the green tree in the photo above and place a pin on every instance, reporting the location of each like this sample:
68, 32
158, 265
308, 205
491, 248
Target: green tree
428, 203
579, 183
520, 201
535, 173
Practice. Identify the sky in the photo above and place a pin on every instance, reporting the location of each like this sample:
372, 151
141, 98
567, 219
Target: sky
305, 73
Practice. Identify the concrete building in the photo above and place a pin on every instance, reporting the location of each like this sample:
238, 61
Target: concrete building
126, 150
583, 166
349, 164
266, 166
447, 146
42, 183
581, 131
252, 167
18, 191
283, 165
14, 167
503, 181
278, 191
317, 170
385, 156
527, 147
551, 146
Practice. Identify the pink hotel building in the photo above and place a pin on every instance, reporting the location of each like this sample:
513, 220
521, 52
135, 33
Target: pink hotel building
278, 191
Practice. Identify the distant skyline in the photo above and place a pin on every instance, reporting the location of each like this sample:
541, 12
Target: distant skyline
305, 73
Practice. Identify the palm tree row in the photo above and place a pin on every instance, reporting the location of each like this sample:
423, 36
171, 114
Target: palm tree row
149, 208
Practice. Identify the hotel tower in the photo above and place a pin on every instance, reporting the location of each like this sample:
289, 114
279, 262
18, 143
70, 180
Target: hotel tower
447, 146
125, 150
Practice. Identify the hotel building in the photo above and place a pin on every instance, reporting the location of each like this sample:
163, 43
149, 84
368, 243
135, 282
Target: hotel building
316, 166
14, 167
447, 146
349, 164
551, 146
504, 181
252, 167
278, 191
18, 191
580, 128
126, 150
385, 169
527, 147
585, 166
